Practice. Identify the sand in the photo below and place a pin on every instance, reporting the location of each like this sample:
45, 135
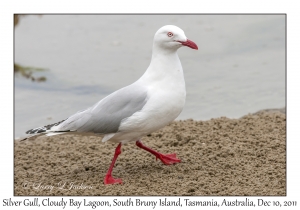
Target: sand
222, 156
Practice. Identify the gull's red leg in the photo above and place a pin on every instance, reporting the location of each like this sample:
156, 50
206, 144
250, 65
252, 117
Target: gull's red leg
108, 179
165, 158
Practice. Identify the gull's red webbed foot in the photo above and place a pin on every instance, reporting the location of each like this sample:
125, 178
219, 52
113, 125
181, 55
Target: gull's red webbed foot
108, 179
167, 159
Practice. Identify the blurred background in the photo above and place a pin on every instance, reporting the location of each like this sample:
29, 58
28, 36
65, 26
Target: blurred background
66, 63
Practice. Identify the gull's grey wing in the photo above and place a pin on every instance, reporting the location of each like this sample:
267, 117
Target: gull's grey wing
106, 116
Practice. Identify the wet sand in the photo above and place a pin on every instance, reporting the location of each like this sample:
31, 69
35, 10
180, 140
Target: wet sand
221, 156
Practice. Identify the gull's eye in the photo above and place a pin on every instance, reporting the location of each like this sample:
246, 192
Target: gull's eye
170, 34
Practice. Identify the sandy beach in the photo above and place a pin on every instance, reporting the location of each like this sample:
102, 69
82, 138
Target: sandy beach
221, 156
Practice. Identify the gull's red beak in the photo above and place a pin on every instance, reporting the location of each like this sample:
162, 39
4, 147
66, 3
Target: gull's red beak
190, 44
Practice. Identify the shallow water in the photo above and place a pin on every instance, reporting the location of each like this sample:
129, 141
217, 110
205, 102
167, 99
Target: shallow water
238, 69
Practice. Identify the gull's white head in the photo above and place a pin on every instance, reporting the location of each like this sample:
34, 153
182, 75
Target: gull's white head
171, 37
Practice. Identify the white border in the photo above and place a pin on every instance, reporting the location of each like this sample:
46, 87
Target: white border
8, 8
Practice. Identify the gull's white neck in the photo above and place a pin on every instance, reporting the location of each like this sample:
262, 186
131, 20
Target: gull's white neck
165, 67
